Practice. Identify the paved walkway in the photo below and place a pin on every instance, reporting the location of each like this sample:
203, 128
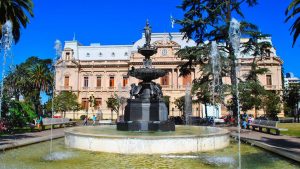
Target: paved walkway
287, 146
17, 140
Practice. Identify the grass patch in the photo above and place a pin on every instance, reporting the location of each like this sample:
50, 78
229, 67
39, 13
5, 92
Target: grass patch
293, 129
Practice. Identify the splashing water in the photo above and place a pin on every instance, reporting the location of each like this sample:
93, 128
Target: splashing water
55, 156
6, 44
58, 52
188, 105
216, 72
234, 37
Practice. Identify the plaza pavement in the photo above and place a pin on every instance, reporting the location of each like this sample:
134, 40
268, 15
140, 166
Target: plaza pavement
283, 145
18, 140
286, 146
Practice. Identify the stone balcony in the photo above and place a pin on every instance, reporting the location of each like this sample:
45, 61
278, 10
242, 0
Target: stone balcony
65, 88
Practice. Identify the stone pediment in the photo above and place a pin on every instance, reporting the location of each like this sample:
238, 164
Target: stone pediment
67, 63
165, 43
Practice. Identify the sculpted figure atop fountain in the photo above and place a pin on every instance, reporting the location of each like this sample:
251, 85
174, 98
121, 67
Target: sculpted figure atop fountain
147, 30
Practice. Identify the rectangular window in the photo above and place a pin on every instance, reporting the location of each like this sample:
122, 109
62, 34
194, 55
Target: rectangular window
164, 80
111, 81
86, 82
85, 103
98, 81
66, 81
125, 81
98, 102
269, 80
187, 79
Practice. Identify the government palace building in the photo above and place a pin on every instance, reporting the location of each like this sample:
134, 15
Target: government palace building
100, 72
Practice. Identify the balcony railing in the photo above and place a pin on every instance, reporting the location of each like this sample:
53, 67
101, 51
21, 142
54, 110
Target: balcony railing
85, 88
272, 87
65, 87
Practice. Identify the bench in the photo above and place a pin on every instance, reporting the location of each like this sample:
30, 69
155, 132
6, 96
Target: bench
105, 122
57, 121
268, 124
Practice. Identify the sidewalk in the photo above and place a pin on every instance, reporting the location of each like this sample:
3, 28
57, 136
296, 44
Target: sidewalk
18, 140
286, 146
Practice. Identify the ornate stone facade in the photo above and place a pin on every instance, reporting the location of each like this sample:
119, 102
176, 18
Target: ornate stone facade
100, 71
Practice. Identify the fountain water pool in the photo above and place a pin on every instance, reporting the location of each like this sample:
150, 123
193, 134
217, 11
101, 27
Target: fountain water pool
33, 156
184, 139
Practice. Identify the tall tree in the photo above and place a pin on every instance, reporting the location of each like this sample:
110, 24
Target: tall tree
291, 99
291, 12
64, 102
272, 105
252, 92
41, 79
209, 20
114, 105
29, 79
179, 103
16, 11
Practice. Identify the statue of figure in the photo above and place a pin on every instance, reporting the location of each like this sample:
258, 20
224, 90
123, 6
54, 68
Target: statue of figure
147, 34
135, 90
155, 90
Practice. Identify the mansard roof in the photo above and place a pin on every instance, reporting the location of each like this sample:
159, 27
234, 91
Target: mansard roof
122, 52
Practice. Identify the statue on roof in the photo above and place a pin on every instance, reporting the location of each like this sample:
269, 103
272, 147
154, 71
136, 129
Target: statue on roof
147, 34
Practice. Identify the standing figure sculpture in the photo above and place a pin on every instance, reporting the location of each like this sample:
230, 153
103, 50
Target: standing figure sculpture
147, 30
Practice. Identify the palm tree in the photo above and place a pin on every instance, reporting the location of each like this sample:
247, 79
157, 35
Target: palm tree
17, 12
293, 10
41, 79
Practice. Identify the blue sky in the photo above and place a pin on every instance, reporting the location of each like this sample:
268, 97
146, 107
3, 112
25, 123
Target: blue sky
121, 22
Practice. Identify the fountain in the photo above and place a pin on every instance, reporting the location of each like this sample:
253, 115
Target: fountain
234, 37
146, 128
145, 109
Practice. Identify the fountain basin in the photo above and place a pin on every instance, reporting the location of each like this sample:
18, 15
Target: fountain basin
147, 74
184, 139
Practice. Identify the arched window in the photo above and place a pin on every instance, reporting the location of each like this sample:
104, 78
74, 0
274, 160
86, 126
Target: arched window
87, 54
113, 54
100, 54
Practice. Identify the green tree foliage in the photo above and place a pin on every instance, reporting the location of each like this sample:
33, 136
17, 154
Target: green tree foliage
113, 104
251, 90
64, 102
209, 20
291, 99
18, 12
29, 79
291, 12
179, 103
272, 105
20, 113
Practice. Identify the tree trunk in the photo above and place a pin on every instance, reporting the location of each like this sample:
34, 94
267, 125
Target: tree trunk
255, 112
111, 114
